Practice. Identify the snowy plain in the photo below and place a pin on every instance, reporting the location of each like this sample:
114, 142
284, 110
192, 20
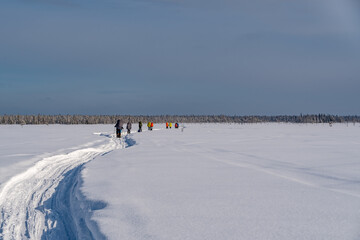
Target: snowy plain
206, 181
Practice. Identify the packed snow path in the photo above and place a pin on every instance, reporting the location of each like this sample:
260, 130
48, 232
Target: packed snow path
45, 202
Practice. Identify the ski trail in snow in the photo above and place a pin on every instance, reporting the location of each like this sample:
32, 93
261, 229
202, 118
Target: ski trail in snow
39, 200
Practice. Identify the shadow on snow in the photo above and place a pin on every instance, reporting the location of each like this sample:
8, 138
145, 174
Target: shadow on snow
67, 212
129, 141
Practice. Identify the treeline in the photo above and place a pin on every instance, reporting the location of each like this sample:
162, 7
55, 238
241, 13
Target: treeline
111, 119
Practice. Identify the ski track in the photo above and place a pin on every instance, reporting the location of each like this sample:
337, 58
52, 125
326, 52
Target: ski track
276, 168
45, 201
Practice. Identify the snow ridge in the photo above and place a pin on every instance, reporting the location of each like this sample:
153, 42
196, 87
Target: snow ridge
45, 201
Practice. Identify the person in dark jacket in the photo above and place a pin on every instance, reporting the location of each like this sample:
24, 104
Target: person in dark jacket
119, 127
128, 127
140, 127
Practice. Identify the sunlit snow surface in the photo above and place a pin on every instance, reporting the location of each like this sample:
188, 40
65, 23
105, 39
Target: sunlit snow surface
218, 181
206, 181
21, 146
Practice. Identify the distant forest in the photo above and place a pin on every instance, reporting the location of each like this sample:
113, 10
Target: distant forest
111, 119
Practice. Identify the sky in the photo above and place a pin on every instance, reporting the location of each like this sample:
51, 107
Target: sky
245, 57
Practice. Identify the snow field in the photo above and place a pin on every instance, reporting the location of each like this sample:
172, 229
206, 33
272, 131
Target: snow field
44, 201
220, 181
22, 146
209, 181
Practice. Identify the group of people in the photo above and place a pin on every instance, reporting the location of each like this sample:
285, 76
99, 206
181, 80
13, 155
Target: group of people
150, 125
169, 125
119, 127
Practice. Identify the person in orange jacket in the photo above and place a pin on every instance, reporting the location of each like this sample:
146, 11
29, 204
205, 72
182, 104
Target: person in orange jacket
151, 126
167, 125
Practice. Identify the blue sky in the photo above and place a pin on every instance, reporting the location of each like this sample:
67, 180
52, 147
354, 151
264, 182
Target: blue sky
179, 57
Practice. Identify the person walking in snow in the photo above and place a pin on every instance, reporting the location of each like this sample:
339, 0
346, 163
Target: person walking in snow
128, 127
119, 128
170, 125
167, 125
149, 125
140, 127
